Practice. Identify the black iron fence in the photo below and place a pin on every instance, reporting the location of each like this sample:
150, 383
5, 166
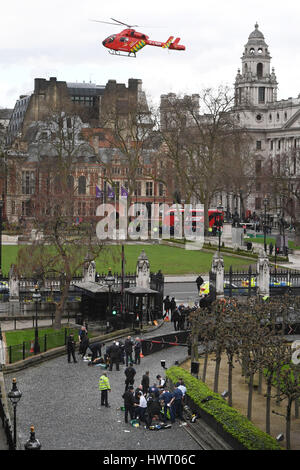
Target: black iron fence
240, 282
19, 352
284, 281
6, 425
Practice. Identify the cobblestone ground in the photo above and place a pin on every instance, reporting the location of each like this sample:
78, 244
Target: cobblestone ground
62, 401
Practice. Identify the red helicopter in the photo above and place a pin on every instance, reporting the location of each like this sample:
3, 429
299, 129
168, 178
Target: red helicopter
131, 41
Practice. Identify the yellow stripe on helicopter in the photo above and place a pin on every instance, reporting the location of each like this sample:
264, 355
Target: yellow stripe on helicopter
138, 46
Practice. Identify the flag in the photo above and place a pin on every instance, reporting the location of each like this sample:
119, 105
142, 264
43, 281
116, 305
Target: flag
99, 193
124, 192
110, 193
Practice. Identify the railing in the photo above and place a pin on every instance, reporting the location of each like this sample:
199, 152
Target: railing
6, 425
18, 352
240, 282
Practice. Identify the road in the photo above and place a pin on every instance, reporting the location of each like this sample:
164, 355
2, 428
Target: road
184, 292
62, 401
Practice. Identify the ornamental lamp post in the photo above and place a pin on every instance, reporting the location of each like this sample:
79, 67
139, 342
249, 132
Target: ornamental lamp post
36, 298
15, 395
110, 280
265, 221
32, 443
1, 211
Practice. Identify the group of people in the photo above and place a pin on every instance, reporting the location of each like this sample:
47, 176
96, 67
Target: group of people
147, 403
177, 314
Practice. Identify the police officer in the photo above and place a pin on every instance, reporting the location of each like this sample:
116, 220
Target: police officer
104, 387
114, 355
130, 374
71, 348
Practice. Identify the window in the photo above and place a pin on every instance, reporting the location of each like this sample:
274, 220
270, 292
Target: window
257, 203
160, 189
81, 185
13, 207
81, 207
258, 186
258, 167
70, 182
149, 188
271, 145
258, 145
259, 70
28, 182
261, 94
138, 190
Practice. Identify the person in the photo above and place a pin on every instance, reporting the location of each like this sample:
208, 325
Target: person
175, 318
181, 319
84, 345
176, 402
137, 351
160, 382
199, 282
136, 393
96, 350
130, 374
166, 398
129, 403
114, 355
71, 348
104, 387
167, 305
180, 384
82, 333
153, 410
145, 382
141, 407
271, 248
173, 305
128, 347
154, 391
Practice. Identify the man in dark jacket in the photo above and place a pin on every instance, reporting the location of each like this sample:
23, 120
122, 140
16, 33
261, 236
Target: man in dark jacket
137, 351
129, 402
199, 282
130, 374
175, 318
145, 383
71, 348
96, 350
114, 355
167, 305
128, 347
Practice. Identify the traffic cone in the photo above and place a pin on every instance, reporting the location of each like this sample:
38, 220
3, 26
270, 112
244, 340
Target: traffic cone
166, 318
32, 347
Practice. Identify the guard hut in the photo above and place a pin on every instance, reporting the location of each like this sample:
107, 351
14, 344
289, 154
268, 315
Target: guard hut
141, 302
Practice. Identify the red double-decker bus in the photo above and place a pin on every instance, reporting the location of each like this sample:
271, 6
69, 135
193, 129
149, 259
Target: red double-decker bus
193, 217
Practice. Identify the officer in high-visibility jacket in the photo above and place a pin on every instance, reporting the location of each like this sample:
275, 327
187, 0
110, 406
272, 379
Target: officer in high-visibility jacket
104, 387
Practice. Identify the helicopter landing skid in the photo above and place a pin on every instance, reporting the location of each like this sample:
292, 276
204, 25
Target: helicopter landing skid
129, 54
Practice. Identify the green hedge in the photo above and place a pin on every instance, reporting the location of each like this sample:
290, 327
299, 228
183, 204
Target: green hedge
231, 420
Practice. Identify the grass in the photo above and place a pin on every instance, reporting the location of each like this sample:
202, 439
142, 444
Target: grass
16, 337
170, 260
273, 240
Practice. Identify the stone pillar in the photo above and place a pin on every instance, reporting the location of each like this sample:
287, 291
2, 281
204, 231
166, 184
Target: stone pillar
218, 269
263, 274
14, 287
89, 271
143, 271
237, 237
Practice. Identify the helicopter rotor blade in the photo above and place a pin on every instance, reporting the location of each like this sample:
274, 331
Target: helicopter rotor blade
125, 24
105, 22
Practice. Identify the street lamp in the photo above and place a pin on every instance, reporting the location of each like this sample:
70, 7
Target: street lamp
110, 280
32, 443
265, 221
36, 297
219, 224
15, 395
1, 209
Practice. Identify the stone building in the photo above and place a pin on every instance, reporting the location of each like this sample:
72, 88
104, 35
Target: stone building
273, 124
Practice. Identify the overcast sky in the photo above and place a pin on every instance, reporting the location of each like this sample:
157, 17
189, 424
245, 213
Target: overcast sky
56, 39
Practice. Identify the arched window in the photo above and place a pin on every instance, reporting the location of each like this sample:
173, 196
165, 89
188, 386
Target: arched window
57, 185
81, 185
259, 70
70, 182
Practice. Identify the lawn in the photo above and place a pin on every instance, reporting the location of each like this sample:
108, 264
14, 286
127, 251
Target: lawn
170, 260
273, 240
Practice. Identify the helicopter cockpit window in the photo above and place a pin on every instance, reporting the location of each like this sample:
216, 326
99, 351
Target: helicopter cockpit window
123, 39
111, 38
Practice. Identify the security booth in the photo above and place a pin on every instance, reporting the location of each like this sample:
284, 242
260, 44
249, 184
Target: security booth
142, 304
95, 300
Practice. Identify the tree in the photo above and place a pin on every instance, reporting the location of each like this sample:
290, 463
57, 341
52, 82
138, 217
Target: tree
61, 248
202, 152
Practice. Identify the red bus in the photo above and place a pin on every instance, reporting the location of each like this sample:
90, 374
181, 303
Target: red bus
194, 216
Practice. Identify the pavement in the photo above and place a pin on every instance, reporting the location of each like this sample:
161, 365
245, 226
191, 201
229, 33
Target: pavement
62, 401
